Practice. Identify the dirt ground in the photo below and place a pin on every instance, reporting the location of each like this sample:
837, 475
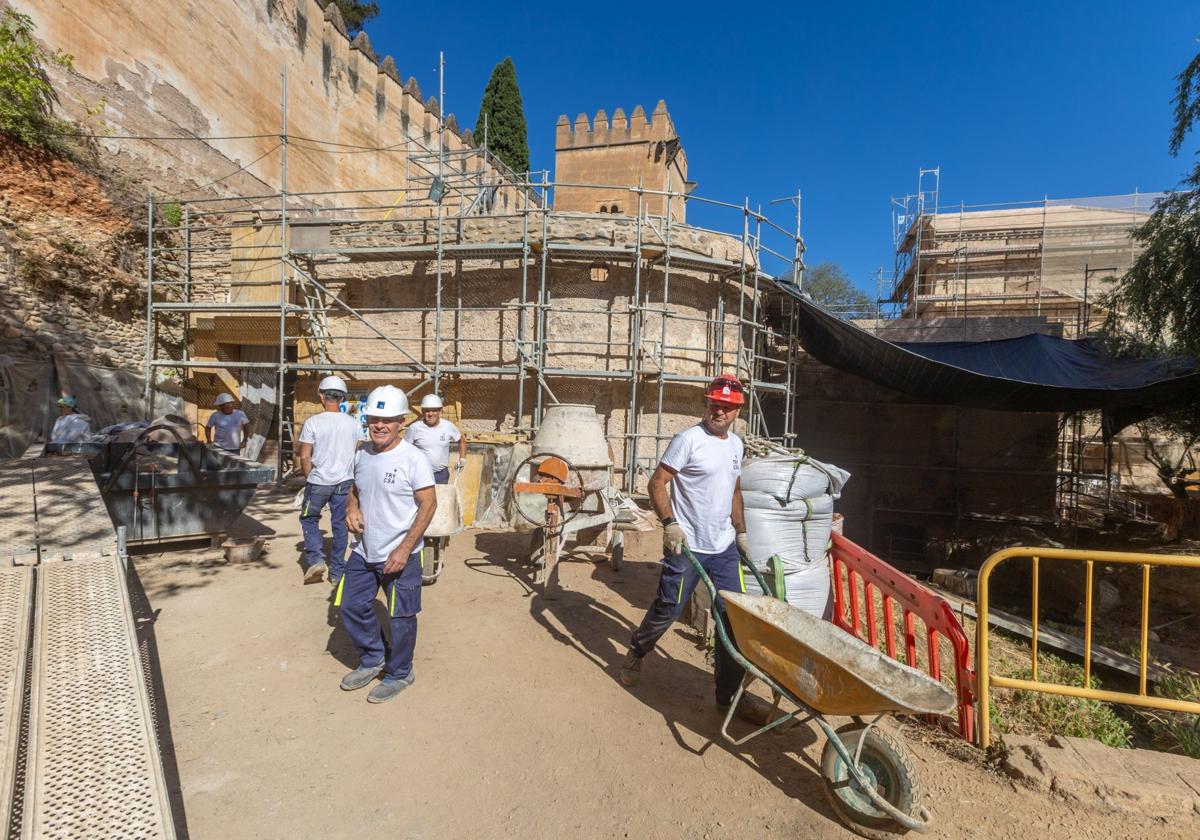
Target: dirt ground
516, 726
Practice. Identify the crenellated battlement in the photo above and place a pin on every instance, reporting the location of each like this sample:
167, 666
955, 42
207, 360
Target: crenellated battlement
601, 131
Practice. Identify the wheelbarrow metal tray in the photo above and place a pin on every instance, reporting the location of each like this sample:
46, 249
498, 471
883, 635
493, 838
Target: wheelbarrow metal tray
824, 666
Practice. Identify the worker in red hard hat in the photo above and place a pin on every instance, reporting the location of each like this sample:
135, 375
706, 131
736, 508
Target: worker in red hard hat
696, 492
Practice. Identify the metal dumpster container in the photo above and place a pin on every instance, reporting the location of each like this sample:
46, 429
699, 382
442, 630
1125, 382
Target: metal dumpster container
169, 491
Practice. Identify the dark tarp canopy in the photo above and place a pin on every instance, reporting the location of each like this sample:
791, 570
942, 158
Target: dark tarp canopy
1030, 373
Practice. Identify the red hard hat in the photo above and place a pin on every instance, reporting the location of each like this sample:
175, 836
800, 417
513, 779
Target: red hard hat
727, 389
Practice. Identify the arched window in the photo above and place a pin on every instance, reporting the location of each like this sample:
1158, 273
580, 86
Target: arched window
615, 209
603, 208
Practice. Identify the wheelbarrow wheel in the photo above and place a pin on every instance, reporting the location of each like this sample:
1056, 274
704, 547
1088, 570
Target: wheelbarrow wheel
887, 765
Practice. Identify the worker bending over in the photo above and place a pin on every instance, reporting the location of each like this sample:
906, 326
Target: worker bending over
696, 492
328, 443
72, 425
433, 436
230, 423
390, 504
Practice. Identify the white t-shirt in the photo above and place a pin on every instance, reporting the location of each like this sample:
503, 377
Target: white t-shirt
71, 428
228, 427
707, 468
334, 437
385, 482
434, 441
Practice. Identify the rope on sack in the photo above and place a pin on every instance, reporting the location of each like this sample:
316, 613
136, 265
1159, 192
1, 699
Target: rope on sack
787, 496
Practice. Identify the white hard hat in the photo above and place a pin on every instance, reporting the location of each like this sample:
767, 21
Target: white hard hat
223, 399
386, 401
431, 401
333, 383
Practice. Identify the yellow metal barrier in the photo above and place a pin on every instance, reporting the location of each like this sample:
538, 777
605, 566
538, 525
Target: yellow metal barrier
1090, 558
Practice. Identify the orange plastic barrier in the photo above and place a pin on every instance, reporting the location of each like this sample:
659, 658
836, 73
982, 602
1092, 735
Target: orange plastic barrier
854, 566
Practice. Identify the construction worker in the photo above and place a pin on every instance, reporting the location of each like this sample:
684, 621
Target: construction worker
433, 436
390, 504
696, 493
230, 423
72, 426
328, 443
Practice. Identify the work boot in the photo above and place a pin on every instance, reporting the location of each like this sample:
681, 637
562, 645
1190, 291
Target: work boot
389, 688
631, 668
360, 676
314, 573
751, 709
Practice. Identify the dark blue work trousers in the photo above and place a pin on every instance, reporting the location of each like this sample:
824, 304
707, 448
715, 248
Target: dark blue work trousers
675, 586
402, 599
441, 476
316, 496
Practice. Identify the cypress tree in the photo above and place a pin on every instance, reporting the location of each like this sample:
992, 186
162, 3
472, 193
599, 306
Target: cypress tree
506, 131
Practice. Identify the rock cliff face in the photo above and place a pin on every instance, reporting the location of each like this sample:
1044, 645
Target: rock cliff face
71, 265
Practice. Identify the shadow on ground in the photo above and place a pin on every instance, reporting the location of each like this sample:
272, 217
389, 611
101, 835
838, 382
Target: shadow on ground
601, 635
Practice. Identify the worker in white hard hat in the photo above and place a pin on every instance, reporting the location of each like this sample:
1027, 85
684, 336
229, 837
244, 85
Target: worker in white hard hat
328, 443
390, 505
72, 425
230, 423
433, 436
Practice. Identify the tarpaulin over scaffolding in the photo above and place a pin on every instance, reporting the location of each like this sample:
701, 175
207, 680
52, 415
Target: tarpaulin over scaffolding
1030, 373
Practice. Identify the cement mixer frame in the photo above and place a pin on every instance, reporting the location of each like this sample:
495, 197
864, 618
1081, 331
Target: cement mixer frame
561, 505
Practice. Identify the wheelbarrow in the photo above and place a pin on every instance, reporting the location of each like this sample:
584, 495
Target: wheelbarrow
822, 670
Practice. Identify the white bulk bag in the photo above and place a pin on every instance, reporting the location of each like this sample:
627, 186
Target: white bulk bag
787, 478
798, 533
807, 589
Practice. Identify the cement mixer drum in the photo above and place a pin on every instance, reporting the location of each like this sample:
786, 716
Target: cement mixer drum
575, 433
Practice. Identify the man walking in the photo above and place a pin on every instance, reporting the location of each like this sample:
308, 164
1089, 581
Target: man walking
230, 424
390, 504
696, 493
328, 443
433, 436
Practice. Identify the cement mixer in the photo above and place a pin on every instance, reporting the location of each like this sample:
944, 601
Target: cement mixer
561, 493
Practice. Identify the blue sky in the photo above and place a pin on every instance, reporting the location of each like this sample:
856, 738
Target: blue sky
845, 102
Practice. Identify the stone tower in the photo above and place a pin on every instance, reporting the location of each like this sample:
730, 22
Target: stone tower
616, 155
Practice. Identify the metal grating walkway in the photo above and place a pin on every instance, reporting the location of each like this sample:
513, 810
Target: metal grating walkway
16, 586
94, 769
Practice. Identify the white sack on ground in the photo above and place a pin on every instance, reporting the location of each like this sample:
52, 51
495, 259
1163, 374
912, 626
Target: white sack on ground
789, 478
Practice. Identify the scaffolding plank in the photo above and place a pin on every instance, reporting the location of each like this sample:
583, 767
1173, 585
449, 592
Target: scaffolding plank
16, 587
18, 526
93, 767
72, 520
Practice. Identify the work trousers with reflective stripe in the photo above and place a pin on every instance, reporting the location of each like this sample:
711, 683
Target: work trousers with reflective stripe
402, 599
675, 586
316, 496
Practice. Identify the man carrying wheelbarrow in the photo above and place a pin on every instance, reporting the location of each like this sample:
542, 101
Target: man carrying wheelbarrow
696, 493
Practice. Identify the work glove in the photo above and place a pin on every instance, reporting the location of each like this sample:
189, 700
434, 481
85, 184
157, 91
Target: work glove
461, 465
673, 541
743, 544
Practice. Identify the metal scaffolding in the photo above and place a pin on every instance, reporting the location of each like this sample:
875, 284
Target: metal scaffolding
293, 264
1047, 258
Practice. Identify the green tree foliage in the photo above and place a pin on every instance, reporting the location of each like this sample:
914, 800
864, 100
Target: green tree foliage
506, 133
356, 13
829, 286
1159, 297
26, 96
1154, 309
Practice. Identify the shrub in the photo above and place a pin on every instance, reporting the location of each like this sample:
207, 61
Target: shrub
26, 95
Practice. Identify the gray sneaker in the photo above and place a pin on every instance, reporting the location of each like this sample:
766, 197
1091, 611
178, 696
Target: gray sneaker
314, 573
360, 676
631, 669
389, 688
